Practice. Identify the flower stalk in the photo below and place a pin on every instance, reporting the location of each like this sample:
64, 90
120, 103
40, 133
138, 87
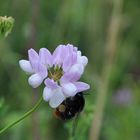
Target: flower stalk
23, 116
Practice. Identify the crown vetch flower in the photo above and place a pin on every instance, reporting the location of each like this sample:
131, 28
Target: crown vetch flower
34, 67
60, 72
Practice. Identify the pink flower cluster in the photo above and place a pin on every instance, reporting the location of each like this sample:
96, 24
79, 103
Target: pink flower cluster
60, 72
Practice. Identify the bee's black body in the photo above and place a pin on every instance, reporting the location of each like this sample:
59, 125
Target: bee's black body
71, 106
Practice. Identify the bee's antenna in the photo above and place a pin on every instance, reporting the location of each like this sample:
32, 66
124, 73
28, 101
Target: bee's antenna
86, 94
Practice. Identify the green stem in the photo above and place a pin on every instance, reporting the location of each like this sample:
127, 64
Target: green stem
22, 117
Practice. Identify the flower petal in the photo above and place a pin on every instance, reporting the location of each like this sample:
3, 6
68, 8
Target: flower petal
73, 74
67, 64
47, 94
57, 98
50, 83
69, 89
75, 49
63, 51
33, 57
35, 80
69, 61
70, 48
36, 64
45, 57
81, 86
26, 66
79, 53
77, 68
82, 60
42, 70
57, 55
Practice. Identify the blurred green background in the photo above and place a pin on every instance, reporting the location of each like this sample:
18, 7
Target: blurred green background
83, 23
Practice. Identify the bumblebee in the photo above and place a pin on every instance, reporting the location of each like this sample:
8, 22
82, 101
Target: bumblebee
70, 107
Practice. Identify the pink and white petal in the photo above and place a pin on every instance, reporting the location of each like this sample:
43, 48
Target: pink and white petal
77, 68
73, 74
74, 58
57, 59
69, 77
42, 70
69, 89
82, 60
70, 58
35, 80
60, 54
45, 57
79, 53
81, 86
50, 83
70, 48
47, 94
67, 64
57, 98
33, 57
26, 66
75, 49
